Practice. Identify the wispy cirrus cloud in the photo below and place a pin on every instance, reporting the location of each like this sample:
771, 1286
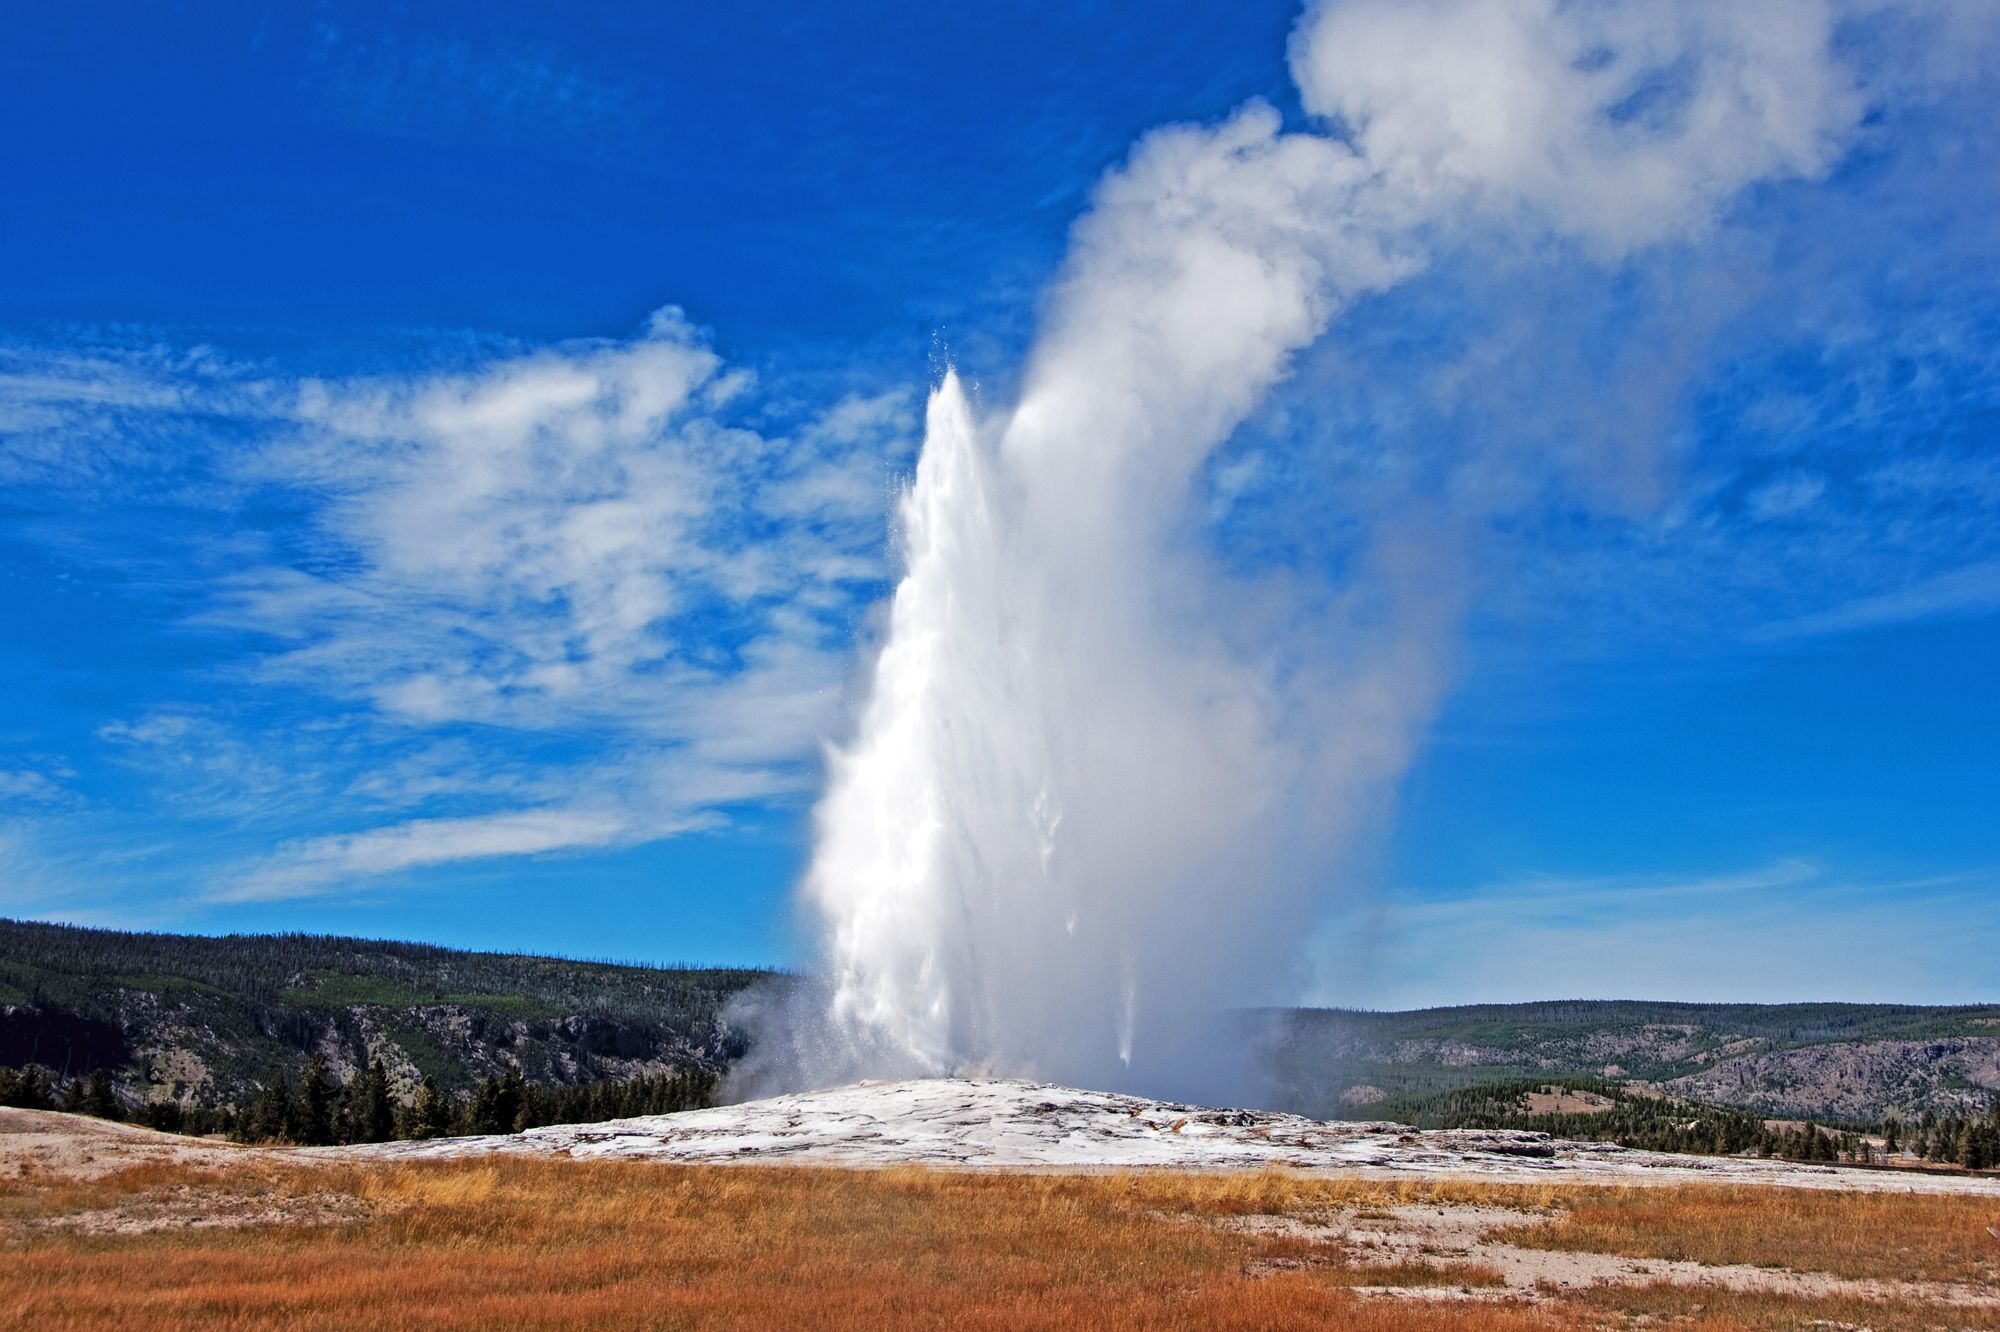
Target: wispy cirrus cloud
555, 598
26, 784
305, 868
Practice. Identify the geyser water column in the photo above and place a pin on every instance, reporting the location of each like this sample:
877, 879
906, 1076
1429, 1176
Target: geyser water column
1027, 831
909, 872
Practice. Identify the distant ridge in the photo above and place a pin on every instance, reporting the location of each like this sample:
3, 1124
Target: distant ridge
1844, 1062
208, 1019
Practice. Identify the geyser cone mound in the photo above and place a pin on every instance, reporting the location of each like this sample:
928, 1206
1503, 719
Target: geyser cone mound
1013, 1123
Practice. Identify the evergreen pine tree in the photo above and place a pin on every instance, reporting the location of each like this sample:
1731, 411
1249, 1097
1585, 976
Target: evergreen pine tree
1972, 1147
313, 1109
378, 1110
429, 1114
347, 1111
1943, 1143
166, 1116
482, 1111
509, 1100
271, 1115
25, 1090
99, 1097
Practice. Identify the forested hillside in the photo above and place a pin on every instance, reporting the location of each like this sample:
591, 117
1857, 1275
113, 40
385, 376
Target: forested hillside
210, 1021
1592, 1109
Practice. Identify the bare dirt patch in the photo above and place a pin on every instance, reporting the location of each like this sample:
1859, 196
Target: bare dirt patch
190, 1207
1554, 1100
73, 1175
74, 1147
1435, 1241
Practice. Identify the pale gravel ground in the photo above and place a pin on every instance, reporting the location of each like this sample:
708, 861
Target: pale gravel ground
78, 1147
1469, 1236
45, 1144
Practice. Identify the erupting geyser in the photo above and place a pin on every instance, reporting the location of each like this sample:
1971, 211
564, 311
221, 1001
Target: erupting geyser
1097, 786
1047, 811
1073, 804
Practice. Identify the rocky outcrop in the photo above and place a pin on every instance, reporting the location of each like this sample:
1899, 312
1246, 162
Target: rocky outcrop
1860, 1081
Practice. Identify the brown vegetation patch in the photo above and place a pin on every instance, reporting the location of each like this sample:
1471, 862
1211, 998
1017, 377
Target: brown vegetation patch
1866, 1236
1280, 1248
559, 1244
1528, 1241
1765, 1311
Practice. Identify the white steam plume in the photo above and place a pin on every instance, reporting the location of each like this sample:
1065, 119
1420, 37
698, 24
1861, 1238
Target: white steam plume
1096, 786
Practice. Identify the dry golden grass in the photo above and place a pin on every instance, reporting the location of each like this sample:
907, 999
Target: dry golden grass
561, 1244
1886, 1236
1680, 1306
547, 1244
1291, 1192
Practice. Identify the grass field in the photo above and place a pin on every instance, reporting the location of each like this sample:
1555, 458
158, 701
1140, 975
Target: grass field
1879, 1236
538, 1243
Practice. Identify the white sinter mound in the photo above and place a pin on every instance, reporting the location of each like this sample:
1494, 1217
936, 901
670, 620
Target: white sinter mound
1001, 1123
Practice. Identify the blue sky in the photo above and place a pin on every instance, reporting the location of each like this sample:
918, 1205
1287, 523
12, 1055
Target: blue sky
447, 456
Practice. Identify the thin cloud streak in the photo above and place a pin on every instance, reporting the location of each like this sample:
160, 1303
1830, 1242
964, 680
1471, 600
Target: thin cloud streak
1957, 594
310, 867
1788, 930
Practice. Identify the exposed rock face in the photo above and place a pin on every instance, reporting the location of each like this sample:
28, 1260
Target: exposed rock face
1854, 1082
456, 1044
1007, 1123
